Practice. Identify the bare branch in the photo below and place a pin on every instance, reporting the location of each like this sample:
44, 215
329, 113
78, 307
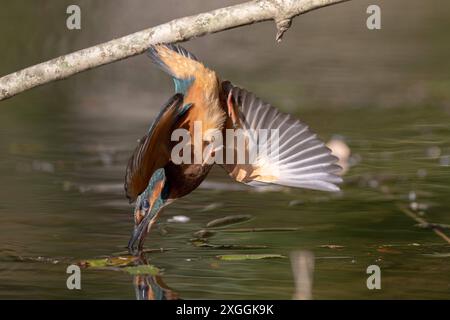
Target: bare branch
435, 227
280, 11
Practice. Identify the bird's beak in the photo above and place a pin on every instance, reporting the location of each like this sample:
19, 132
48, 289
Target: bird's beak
138, 236
144, 221
141, 229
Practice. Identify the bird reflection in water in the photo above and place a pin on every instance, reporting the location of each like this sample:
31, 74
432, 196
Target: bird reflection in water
152, 287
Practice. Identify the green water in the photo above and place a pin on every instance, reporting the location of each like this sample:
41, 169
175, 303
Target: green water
64, 147
64, 204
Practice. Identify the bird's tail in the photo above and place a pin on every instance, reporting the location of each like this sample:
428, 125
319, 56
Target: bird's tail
175, 60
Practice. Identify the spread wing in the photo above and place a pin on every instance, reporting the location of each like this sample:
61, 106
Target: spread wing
293, 156
152, 151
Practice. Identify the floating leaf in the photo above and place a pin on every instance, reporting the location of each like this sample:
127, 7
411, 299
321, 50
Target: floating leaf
228, 220
331, 246
241, 257
335, 257
203, 244
151, 250
142, 269
276, 229
108, 262
93, 263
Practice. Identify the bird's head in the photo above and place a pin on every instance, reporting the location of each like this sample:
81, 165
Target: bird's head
148, 205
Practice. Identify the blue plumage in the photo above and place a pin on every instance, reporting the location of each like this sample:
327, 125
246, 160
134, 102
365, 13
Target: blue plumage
183, 85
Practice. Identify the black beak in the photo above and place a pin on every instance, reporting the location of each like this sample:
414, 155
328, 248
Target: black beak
136, 242
137, 238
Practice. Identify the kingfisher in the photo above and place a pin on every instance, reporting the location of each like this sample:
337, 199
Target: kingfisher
155, 177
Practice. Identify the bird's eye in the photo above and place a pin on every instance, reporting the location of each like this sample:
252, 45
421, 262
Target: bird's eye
145, 204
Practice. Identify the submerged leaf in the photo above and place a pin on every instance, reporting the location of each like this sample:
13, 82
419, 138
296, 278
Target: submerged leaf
203, 244
388, 250
438, 255
212, 206
241, 257
204, 233
228, 220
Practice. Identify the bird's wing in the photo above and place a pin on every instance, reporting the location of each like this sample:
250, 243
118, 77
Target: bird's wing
152, 151
293, 157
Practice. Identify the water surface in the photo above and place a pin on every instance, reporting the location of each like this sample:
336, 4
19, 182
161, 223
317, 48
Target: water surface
64, 147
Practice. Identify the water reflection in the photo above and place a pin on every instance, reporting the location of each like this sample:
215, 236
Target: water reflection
152, 287
64, 149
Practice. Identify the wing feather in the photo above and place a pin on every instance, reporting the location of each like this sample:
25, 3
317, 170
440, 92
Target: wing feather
301, 160
151, 152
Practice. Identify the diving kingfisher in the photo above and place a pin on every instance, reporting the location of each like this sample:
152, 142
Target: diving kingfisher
154, 179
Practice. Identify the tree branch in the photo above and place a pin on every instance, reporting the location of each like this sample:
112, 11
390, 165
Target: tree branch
280, 11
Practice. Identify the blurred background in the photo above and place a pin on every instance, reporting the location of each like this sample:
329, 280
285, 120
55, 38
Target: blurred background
383, 94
